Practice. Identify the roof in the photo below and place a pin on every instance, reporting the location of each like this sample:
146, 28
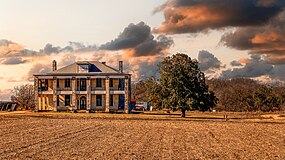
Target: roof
95, 67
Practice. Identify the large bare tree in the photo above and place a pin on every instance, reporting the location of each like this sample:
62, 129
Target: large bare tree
24, 95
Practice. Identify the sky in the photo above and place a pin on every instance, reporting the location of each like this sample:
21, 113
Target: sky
230, 38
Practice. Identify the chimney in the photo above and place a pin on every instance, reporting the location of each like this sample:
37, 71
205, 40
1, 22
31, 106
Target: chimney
121, 66
104, 63
54, 67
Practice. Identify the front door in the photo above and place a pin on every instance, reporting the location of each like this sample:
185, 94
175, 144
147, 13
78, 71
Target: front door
83, 103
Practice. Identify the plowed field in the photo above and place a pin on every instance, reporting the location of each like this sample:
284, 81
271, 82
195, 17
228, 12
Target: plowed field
88, 136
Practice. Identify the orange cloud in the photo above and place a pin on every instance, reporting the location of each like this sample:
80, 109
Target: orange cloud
244, 60
10, 49
265, 38
193, 16
181, 18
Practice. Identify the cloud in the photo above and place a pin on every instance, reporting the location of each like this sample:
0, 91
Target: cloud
268, 39
67, 59
13, 80
256, 67
12, 49
235, 63
137, 40
192, 16
208, 62
140, 67
35, 69
14, 61
5, 94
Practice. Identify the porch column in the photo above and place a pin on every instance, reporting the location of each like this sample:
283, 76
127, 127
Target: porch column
47, 102
36, 90
88, 98
73, 89
127, 93
39, 104
44, 102
107, 109
54, 97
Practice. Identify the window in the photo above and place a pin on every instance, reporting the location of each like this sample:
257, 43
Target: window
83, 68
67, 100
98, 100
98, 82
57, 83
57, 100
111, 82
67, 82
111, 100
82, 84
43, 85
121, 84
121, 101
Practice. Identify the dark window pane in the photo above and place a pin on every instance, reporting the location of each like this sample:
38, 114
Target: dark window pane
98, 82
82, 84
67, 100
98, 100
121, 101
67, 83
57, 83
121, 84
57, 100
111, 82
111, 100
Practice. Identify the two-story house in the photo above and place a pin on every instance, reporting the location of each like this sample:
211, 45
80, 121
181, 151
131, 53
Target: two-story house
83, 85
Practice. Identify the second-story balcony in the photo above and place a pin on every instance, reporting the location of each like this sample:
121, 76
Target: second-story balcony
45, 90
98, 88
64, 89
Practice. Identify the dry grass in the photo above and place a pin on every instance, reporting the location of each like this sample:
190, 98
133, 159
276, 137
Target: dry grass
120, 136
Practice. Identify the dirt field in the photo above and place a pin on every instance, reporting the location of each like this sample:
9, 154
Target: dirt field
105, 136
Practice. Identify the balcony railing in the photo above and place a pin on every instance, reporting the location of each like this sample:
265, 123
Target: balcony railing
40, 89
97, 88
64, 89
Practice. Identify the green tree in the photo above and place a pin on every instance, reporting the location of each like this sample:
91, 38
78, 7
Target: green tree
153, 93
183, 85
148, 90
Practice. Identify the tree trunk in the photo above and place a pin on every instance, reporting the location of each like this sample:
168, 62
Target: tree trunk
183, 114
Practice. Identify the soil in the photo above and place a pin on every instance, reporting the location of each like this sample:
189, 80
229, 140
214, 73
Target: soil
88, 136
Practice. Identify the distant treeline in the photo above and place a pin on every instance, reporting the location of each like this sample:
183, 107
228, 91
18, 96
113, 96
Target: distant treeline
241, 95
236, 95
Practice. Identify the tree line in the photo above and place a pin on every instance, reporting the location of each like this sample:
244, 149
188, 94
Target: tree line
247, 95
182, 86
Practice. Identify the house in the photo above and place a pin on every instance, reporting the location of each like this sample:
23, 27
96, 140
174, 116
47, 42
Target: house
83, 85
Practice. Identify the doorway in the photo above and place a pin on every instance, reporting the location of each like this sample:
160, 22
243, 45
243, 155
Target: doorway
83, 103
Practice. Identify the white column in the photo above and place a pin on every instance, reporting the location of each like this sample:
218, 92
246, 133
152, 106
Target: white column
107, 109
54, 97
127, 94
88, 98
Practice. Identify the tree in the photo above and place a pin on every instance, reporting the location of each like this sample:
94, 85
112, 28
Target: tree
153, 93
24, 95
234, 94
266, 99
148, 90
139, 90
183, 85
